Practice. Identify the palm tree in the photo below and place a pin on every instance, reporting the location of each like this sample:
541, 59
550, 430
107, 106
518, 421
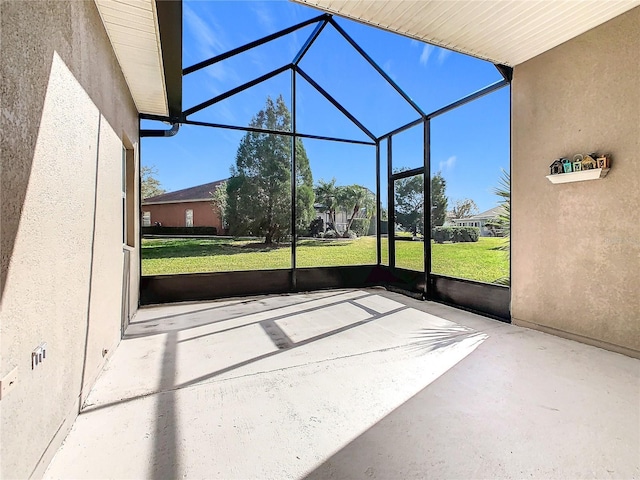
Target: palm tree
327, 198
503, 190
356, 198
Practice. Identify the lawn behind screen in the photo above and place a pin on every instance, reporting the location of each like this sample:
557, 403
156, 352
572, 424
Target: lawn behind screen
480, 260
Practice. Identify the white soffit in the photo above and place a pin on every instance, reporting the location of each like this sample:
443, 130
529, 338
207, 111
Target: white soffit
132, 26
501, 31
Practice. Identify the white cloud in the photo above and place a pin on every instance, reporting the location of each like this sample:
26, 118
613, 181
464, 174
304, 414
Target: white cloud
294, 44
209, 44
442, 55
225, 113
217, 72
257, 58
264, 17
386, 66
426, 53
448, 164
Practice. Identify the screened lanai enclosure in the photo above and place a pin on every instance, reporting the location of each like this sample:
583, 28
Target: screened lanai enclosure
321, 193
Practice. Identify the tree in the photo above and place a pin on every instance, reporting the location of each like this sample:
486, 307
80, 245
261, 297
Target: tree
259, 190
409, 203
354, 199
219, 201
305, 195
327, 198
464, 208
149, 185
503, 190
409, 199
439, 200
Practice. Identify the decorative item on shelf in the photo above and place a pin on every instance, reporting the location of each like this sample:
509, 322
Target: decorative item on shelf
604, 161
577, 162
583, 167
589, 162
556, 167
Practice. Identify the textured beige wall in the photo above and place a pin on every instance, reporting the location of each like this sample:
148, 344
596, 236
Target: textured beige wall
576, 246
65, 108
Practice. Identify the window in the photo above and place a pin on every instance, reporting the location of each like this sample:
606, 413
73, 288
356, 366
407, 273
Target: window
188, 220
146, 219
129, 215
124, 195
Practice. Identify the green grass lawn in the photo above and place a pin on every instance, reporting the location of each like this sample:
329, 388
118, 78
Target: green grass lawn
476, 261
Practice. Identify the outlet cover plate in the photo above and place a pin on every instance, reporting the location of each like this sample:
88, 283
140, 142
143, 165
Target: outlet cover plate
8, 382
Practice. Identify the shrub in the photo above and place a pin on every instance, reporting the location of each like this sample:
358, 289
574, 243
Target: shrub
372, 226
442, 234
466, 234
349, 234
360, 226
455, 234
178, 231
316, 227
331, 234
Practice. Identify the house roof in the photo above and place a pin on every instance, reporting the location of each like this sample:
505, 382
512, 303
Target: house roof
191, 194
503, 32
487, 214
491, 213
146, 36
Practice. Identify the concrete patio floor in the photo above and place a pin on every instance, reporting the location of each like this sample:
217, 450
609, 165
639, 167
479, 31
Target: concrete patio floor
352, 384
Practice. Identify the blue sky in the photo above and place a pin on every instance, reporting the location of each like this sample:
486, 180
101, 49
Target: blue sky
469, 145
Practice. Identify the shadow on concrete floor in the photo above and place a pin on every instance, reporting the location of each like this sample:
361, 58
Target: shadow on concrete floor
388, 391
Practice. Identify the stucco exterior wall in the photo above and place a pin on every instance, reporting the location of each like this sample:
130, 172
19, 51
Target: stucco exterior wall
65, 110
576, 246
174, 214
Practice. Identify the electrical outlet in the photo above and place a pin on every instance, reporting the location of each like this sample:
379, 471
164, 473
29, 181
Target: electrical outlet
8, 382
38, 355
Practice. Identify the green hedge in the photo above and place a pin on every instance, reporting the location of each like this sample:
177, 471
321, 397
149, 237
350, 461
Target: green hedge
360, 226
455, 234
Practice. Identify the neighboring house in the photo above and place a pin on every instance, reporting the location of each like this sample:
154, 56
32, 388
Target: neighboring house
485, 221
342, 217
189, 207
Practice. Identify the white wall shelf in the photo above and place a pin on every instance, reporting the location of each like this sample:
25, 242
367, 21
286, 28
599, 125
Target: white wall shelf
593, 174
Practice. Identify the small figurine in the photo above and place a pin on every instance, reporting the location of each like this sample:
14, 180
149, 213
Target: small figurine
604, 161
589, 161
556, 167
577, 162
566, 165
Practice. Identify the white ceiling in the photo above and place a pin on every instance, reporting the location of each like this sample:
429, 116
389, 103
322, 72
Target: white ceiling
501, 31
132, 26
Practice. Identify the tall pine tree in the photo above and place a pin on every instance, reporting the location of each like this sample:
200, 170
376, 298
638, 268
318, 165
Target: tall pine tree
259, 190
439, 200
